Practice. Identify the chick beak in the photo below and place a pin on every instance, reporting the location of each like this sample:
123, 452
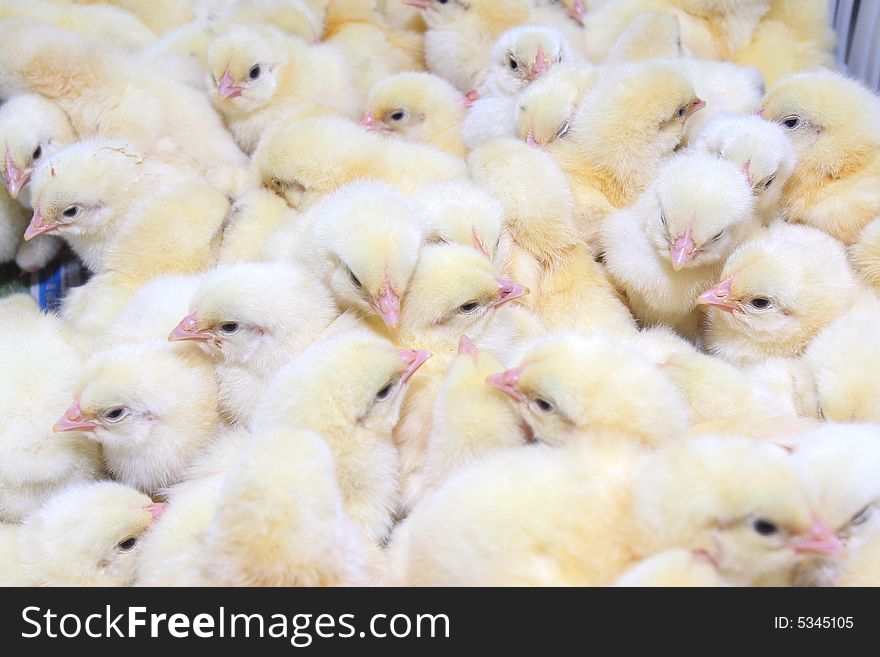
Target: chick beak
38, 226
157, 510
507, 383
478, 244
720, 296
74, 420
368, 120
470, 98
697, 105
819, 539
577, 11
15, 177
683, 249
531, 139
418, 4
188, 329
414, 359
508, 291
539, 66
387, 305
760, 113
228, 88
467, 346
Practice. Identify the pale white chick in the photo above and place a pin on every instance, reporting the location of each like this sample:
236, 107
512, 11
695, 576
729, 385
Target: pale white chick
38, 370
355, 414
668, 247
251, 318
760, 148
151, 406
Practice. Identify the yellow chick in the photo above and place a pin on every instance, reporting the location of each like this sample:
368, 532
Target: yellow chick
280, 520
159, 15
761, 149
651, 35
676, 567
865, 254
671, 244
860, 567
355, 415
86, 535
151, 407
831, 121
259, 71
38, 370
571, 385
567, 16
418, 107
251, 328
251, 221
776, 293
304, 160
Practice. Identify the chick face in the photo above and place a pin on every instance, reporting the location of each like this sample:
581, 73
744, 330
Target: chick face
244, 65
522, 55
698, 224
544, 110
89, 535
438, 12
32, 129
80, 189
569, 385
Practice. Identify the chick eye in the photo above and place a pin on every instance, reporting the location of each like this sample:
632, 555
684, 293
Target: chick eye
760, 303
116, 414
862, 516
764, 527
769, 181
277, 184
544, 406
563, 130
38, 151
469, 307
127, 545
397, 115
229, 327
791, 122
71, 212
385, 392
254, 73
355, 280
662, 218
513, 64
718, 236
682, 111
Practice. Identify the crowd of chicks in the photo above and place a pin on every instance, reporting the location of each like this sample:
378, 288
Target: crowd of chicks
439, 292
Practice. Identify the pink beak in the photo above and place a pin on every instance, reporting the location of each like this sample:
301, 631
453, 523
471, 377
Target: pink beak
719, 296
38, 226
539, 66
15, 177
188, 329
418, 4
697, 105
388, 306
683, 249
414, 359
760, 112
478, 243
467, 346
74, 420
531, 139
228, 88
370, 123
157, 510
508, 291
820, 539
578, 11
470, 98
507, 383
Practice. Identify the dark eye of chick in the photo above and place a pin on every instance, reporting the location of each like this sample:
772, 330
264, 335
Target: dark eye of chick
718, 236
355, 280
127, 545
115, 414
513, 64
254, 73
862, 516
764, 527
229, 327
791, 122
38, 151
385, 392
397, 115
71, 212
563, 130
662, 218
469, 307
760, 303
682, 111
769, 181
543, 405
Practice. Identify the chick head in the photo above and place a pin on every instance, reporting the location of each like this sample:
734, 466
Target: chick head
82, 187
545, 108
32, 129
523, 54
699, 224
240, 311
455, 290
244, 64
567, 385
459, 212
761, 149
440, 12
127, 395
414, 106
777, 292
310, 393
830, 118
88, 535
691, 495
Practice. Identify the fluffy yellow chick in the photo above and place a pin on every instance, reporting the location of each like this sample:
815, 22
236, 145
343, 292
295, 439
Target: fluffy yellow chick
840, 362
460, 35
567, 16
252, 318
257, 72
761, 149
249, 224
831, 121
159, 15
304, 160
865, 254
38, 369
86, 535
355, 415
840, 462
776, 293
280, 520
675, 567
671, 244
652, 35
151, 407
418, 107
148, 109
